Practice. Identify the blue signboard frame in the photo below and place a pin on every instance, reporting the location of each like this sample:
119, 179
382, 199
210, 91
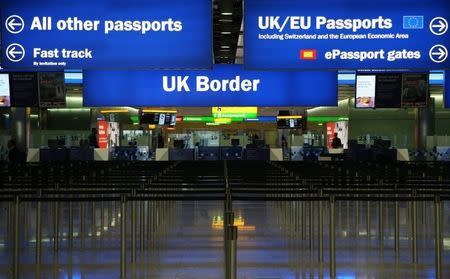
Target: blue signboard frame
257, 88
447, 89
106, 34
329, 34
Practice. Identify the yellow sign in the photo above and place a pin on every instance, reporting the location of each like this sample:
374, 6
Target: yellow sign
235, 112
222, 120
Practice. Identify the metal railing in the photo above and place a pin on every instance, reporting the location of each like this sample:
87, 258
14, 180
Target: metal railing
307, 192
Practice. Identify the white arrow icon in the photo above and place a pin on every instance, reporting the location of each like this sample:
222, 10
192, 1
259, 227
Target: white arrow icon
15, 52
438, 53
14, 24
438, 26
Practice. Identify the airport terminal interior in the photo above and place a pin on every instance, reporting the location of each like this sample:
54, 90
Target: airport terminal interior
145, 139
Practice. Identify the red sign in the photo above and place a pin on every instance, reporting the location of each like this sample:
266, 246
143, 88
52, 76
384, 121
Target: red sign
330, 133
308, 54
102, 130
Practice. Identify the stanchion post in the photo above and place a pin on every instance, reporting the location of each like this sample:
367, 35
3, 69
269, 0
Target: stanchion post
123, 231
16, 238
56, 227
368, 221
397, 232
414, 231
437, 239
133, 228
231, 247
141, 226
380, 223
82, 223
332, 238
70, 234
320, 248
38, 230
311, 226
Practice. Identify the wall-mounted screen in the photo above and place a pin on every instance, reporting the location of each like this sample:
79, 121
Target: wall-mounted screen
51, 90
415, 90
388, 93
24, 89
149, 118
5, 97
365, 91
158, 118
290, 123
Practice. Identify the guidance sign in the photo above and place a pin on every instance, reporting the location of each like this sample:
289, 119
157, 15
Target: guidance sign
225, 85
106, 34
336, 34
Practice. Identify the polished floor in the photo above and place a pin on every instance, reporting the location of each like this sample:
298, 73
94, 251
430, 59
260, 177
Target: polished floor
184, 240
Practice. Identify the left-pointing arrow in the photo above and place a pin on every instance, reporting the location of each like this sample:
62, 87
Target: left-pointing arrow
12, 52
15, 52
14, 24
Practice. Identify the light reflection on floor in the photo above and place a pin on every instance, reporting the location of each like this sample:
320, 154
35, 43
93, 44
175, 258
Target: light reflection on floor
185, 240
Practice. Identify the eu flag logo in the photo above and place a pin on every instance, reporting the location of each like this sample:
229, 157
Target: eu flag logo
413, 22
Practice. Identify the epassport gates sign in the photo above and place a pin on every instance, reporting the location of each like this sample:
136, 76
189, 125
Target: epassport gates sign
106, 34
353, 34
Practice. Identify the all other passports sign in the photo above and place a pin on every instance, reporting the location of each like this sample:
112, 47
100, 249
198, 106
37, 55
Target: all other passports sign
105, 34
347, 34
225, 85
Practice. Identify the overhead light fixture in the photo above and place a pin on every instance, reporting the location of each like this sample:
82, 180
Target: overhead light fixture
225, 47
226, 7
159, 111
68, 109
225, 20
225, 33
114, 111
290, 117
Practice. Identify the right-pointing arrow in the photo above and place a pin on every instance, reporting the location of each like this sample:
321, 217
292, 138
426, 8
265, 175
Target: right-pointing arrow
440, 52
441, 25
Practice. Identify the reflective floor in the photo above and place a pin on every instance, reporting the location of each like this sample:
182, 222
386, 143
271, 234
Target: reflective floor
184, 239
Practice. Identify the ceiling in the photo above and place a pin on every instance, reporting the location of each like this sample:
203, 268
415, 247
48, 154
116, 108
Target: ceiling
227, 22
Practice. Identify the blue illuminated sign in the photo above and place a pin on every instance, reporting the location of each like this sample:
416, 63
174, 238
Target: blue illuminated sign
225, 85
352, 34
106, 34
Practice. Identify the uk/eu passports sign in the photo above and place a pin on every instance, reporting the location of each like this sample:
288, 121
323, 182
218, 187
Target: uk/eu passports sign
106, 34
351, 34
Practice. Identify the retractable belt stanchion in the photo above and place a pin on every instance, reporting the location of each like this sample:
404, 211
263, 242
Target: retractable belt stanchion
133, 228
38, 229
16, 238
231, 246
123, 231
332, 238
437, 237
